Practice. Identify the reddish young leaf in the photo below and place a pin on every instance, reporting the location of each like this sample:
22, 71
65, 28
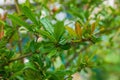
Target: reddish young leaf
2, 17
1, 32
78, 29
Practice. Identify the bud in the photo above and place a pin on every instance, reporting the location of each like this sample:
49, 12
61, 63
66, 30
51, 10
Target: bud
3, 16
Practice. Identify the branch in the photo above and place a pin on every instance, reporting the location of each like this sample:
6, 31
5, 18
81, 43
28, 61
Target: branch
76, 54
107, 30
19, 58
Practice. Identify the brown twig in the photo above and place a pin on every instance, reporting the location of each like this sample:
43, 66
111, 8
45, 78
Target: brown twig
107, 30
19, 58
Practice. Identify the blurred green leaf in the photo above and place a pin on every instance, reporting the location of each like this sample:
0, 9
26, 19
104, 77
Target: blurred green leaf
31, 74
95, 39
59, 30
18, 21
27, 12
48, 35
70, 31
65, 46
52, 53
47, 25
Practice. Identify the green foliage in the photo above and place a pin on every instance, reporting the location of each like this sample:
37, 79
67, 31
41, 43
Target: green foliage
47, 25
35, 45
59, 30
18, 21
26, 11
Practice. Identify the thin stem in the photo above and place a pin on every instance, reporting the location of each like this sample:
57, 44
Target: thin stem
76, 54
19, 58
17, 6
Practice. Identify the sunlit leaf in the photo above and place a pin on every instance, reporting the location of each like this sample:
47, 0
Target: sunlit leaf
47, 25
47, 34
52, 53
18, 21
58, 30
71, 31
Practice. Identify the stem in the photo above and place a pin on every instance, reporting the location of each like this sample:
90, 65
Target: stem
75, 55
19, 58
17, 6
20, 44
19, 40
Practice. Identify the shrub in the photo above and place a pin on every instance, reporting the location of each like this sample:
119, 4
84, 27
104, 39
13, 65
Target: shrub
52, 40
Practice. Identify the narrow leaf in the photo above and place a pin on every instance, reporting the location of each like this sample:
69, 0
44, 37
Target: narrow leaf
27, 12
18, 21
31, 74
52, 53
78, 29
71, 31
47, 25
59, 30
46, 34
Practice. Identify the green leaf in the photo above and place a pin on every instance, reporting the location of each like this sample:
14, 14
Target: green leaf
62, 73
16, 66
65, 46
70, 31
59, 75
18, 21
2, 23
34, 46
31, 74
95, 39
48, 62
46, 34
59, 30
52, 53
27, 3
36, 60
47, 25
27, 12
